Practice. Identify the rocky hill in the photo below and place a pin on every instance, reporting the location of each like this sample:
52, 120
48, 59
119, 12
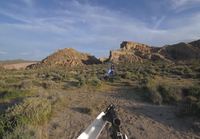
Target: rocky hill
195, 44
67, 57
182, 51
137, 52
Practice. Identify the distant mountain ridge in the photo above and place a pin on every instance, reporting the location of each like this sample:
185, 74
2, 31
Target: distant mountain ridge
128, 52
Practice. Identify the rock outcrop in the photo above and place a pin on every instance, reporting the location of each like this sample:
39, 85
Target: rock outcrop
133, 46
135, 52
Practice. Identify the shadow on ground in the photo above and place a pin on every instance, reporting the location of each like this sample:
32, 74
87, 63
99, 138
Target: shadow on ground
164, 114
5, 105
83, 110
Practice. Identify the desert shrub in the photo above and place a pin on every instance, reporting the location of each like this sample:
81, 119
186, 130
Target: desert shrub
33, 110
155, 96
127, 75
11, 80
55, 76
197, 69
51, 75
7, 94
82, 80
26, 84
78, 81
117, 77
188, 72
20, 132
94, 81
169, 94
177, 70
152, 93
190, 107
193, 91
192, 101
48, 84
151, 70
2, 84
36, 82
159, 93
71, 83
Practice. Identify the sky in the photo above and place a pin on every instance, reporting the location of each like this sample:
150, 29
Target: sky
33, 29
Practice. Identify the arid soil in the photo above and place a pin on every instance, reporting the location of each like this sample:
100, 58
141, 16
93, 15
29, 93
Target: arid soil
140, 120
18, 65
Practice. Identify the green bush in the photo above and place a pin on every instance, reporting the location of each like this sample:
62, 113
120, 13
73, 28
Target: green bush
33, 110
161, 93
94, 81
21, 132
153, 95
192, 101
2, 84
26, 84
193, 91
190, 107
82, 81
48, 84
117, 77
7, 94
127, 75
169, 94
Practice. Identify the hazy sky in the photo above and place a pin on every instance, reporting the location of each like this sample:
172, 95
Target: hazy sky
32, 29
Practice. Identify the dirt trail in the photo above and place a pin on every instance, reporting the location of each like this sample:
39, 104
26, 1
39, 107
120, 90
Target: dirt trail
140, 120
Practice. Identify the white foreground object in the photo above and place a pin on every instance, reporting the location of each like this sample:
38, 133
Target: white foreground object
94, 129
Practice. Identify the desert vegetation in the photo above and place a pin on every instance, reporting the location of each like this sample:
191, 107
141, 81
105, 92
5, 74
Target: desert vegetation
29, 98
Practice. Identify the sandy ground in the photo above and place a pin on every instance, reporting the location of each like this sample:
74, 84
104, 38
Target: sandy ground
139, 120
18, 65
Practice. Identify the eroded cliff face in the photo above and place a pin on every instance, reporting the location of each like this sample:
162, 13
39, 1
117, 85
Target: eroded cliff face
135, 47
123, 56
135, 52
